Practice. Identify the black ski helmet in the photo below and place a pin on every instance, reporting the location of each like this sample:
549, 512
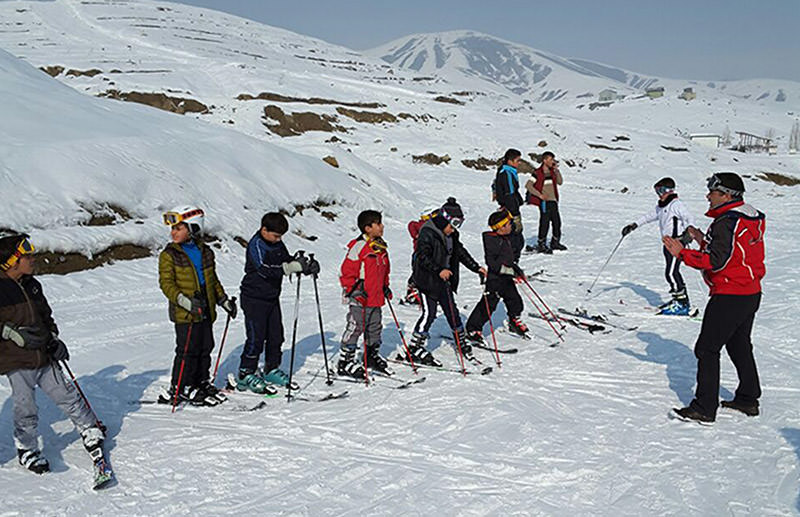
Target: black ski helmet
727, 182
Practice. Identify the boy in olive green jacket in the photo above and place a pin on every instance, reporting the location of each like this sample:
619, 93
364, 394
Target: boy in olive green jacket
187, 277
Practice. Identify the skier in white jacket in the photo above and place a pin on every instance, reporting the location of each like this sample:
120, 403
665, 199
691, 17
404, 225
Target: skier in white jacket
673, 220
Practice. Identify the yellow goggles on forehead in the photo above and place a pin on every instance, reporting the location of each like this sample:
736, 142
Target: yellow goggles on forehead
502, 222
173, 218
23, 248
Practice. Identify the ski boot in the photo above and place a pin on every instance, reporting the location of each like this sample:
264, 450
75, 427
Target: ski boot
557, 246
212, 391
675, 308
420, 353
475, 337
33, 460
460, 340
376, 362
252, 381
93, 439
190, 394
348, 366
278, 377
515, 326
747, 409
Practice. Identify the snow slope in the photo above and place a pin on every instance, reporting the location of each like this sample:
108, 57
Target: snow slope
576, 429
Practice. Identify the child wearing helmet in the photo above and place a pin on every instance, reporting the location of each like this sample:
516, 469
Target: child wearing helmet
188, 278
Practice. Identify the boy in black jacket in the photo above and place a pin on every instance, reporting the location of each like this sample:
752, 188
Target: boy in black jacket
436, 267
503, 270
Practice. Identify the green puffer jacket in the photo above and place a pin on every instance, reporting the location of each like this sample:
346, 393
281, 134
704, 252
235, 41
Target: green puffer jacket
176, 274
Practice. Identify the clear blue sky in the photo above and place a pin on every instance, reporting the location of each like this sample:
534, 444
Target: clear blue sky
700, 39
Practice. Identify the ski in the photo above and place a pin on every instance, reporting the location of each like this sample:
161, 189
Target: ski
103, 474
579, 313
402, 360
589, 327
491, 349
402, 384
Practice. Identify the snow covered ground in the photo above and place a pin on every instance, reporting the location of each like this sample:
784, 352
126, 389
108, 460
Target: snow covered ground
581, 428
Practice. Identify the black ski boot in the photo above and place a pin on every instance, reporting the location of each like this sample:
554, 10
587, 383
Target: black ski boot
212, 391
420, 353
33, 460
747, 409
348, 366
460, 340
378, 363
475, 337
557, 246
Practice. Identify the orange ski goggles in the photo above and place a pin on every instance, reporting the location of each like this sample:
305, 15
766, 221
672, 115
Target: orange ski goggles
23, 248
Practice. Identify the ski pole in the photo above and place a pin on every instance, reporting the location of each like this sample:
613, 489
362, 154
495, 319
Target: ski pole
560, 336
99, 423
555, 317
294, 340
458, 339
222, 344
364, 329
491, 328
605, 264
183, 363
402, 336
321, 329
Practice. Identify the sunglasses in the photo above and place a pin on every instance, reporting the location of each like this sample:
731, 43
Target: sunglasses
173, 218
23, 248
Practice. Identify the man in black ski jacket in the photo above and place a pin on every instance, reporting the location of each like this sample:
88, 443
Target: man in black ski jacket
436, 274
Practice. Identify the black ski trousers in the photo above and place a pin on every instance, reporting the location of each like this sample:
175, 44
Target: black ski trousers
496, 288
264, 329
548, 214
430, 302
198, 356
727, 322
672, 272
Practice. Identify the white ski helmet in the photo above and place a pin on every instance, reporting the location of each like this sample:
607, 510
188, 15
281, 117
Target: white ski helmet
193, 216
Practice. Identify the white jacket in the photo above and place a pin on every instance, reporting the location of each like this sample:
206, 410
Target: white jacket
673, 218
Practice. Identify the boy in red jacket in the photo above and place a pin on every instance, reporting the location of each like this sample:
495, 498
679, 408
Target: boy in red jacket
365, 282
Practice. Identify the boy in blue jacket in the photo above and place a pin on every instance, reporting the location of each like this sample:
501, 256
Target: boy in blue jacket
267, 262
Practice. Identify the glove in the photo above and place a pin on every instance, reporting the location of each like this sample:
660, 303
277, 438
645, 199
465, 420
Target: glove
387, 292
518, 272
628, 229
30, 337
358, 293
686, 237
229, 306
310, 266
58, 350
291, 268
195, 305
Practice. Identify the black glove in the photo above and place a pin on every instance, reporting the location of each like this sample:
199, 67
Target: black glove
518, 271
310, 266
387, 292
629, 228
229, 306
58, 350
30, 337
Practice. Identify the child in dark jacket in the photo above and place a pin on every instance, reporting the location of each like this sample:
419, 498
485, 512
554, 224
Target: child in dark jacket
266, 263
436, 271
30, 355
500, 282
365, 282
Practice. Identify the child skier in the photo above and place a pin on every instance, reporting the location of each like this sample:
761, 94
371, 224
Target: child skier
412, 295
267, 262
188, 278
30, 353
436, 271
365, 282
502, 271
673, 220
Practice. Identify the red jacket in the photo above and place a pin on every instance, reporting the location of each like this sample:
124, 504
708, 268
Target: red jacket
731, 256
364, 263
538, 184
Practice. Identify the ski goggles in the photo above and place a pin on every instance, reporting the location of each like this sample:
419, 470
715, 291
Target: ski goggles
455, 221
23, 248
714, 183
661, 190
173, 218
378, 245
502, 222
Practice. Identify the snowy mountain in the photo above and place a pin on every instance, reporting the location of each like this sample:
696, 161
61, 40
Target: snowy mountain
464, 56
146, 104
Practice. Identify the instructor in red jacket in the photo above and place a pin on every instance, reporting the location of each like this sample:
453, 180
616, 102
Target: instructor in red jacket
731, 257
